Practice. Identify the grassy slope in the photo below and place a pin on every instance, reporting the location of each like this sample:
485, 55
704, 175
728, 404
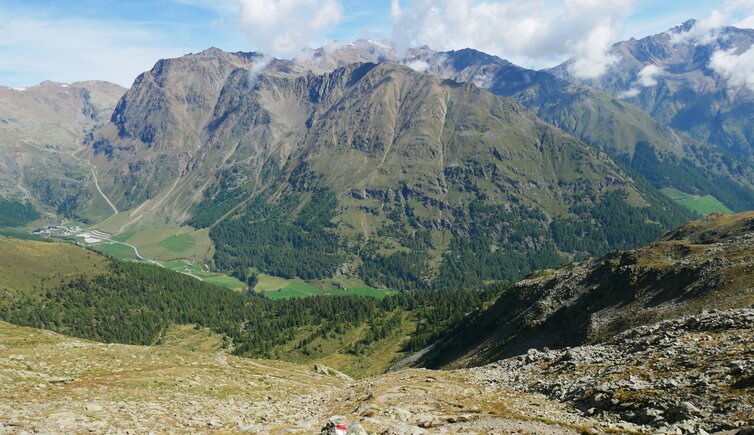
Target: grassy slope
702, 204
30, 265
26, 264
279, 288
339, 350
603, 121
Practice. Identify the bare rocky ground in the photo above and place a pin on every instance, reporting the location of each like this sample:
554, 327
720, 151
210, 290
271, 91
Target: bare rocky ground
50, 383
690, 375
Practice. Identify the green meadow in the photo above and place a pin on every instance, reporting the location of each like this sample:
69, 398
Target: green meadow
702, 204
280, 288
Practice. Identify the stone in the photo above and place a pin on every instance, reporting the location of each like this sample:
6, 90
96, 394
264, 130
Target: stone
356, 429
364, 407
691, 409
399, 413
332, 422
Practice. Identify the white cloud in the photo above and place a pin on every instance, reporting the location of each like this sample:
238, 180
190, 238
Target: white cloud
594, 57
737, 69
65, 50
648, 75
395, 9
633, 92
736, 65
704, 31
418, 65
284, 27
738, 12
535, 33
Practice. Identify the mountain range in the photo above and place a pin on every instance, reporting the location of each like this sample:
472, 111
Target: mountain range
365, 161
488, 248
688, 90
363, 148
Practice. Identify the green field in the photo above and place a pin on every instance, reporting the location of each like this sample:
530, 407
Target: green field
178, 243
280, 288
294, 290
702, 204
164, 242
116, 250
123, 237
213, 278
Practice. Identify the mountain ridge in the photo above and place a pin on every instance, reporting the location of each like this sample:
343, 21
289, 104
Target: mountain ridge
703, 265
423, 147
683, 87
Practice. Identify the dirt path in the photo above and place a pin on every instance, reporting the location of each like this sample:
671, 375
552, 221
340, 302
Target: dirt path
96, 184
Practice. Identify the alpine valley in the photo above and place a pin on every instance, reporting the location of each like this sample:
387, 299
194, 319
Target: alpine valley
400, 241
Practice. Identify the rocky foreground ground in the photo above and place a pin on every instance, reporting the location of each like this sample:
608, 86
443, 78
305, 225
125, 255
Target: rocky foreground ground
692, 375
689, 375
52, 383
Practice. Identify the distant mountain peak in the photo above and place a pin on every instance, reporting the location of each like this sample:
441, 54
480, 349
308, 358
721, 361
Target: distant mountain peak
686, 25
211, 51
476, 55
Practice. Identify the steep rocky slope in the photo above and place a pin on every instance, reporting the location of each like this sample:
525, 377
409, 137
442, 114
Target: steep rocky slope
200, 140
41, 130
703, 265
692, 374
607, 120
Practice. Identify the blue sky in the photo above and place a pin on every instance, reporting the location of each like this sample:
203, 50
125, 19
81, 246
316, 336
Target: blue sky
115, 40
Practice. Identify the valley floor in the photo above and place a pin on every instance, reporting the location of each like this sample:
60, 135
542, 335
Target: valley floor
52, 383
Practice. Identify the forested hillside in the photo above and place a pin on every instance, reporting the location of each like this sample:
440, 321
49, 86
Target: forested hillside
126, 302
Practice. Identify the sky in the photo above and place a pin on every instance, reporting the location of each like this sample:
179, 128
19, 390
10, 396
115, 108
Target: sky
115, 40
